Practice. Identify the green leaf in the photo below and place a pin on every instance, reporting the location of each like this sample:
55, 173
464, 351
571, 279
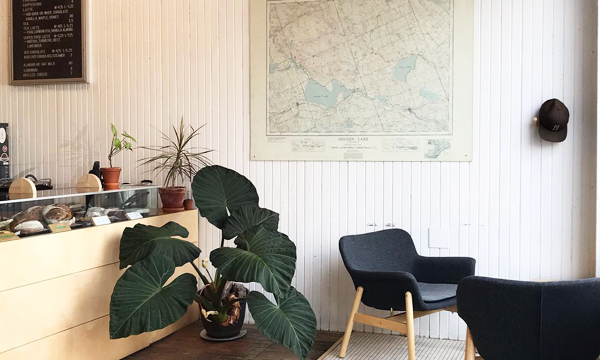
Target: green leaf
140, 303
263, 256
206, 303
141, 241
125, 134
219, 191
117, 144
128, 145
113, 129
248, 217
291, 322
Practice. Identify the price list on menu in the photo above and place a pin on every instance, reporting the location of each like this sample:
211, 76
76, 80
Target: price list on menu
47, 41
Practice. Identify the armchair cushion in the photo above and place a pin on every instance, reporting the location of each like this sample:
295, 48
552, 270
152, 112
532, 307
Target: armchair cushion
437, 292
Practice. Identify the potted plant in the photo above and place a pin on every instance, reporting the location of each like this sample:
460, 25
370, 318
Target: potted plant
111, 174
141, 302
180, 161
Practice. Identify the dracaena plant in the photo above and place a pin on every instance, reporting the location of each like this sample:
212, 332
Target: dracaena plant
177, 158
117, 145
252, 251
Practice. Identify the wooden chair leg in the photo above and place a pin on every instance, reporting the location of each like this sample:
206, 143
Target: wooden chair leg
410, 324
350, 326
470, 347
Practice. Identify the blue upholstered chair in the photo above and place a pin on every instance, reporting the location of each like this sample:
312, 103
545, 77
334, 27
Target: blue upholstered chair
389, 275
514, 320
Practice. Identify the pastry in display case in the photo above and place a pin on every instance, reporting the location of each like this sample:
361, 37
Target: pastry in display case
27, 217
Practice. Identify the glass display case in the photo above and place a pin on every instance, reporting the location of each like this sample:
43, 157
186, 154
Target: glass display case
27, 217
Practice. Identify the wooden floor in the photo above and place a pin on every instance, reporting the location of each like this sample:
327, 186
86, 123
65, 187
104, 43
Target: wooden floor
186, 344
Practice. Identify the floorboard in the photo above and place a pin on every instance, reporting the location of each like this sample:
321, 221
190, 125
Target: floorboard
186, 344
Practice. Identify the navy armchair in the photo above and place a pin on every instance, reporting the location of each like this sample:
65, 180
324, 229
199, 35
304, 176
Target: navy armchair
389, 274
514, 320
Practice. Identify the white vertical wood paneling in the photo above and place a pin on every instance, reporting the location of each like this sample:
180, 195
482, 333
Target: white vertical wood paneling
524, 208
598, 168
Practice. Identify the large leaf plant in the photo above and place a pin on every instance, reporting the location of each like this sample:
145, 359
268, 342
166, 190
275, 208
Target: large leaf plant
144, 301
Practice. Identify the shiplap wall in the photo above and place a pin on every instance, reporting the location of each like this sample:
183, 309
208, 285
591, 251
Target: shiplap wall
523, 208
598, 172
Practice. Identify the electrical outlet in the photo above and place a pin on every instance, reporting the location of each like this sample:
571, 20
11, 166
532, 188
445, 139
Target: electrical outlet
439, 238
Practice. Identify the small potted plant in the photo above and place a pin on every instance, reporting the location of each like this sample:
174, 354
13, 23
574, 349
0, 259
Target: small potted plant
142, 301
180, 161
112, 174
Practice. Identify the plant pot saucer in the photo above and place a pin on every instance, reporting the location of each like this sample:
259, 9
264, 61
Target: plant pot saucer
205, 336
172, 210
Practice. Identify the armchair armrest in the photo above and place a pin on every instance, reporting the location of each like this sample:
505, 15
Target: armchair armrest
386, 290
443, 270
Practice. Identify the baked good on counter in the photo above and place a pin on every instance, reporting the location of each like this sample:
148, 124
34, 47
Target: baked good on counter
58, 213
33, 216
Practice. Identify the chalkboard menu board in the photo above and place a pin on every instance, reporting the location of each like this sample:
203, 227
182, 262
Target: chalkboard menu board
48, 41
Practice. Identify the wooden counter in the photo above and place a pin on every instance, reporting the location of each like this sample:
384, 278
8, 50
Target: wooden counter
55, 293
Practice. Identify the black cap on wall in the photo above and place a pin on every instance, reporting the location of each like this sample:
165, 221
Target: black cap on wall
553, 121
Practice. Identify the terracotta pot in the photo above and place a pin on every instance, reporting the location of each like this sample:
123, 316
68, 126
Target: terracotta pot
111, 178
172, 198
188, 204
218, 331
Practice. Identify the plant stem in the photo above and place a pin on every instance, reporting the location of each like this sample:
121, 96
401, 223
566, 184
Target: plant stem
112, 152
197, 269
211, 279
202, 277
222, 241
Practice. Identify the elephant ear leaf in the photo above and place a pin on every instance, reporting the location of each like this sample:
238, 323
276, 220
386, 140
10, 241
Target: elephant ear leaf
141, 241
249, 217
291, 322
141, 303
219, 191
263, 256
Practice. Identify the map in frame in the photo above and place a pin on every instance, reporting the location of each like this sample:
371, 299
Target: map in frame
360, 80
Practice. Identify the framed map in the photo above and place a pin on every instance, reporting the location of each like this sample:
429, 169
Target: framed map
361, 80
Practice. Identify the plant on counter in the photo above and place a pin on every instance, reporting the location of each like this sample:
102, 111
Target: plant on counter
180, 161
116, 145
141, 302
111, 174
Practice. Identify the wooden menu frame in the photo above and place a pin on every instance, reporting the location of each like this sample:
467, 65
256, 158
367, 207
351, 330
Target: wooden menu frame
57, 80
